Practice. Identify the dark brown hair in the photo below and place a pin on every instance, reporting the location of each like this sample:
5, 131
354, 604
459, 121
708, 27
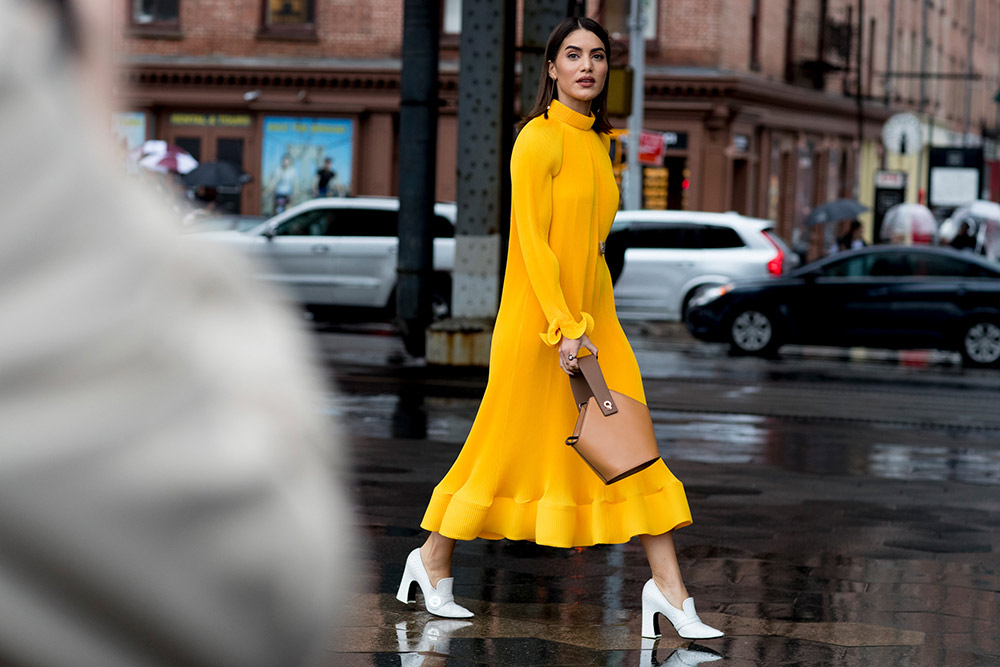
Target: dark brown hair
547, 86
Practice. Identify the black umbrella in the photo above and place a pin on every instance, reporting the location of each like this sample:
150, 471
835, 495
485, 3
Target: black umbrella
831, 211
216, 175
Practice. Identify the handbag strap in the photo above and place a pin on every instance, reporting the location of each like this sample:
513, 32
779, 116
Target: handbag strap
590, 382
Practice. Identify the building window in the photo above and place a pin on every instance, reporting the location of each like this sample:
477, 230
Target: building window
288, 19
290, 13
155, 13
615, 15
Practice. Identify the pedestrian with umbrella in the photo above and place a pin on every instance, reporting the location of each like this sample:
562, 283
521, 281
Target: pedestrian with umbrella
163, 158
174, 159
852, 238
219, 175
834, 212
908, 224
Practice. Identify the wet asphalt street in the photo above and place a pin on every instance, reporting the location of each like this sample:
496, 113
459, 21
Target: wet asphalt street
846, 512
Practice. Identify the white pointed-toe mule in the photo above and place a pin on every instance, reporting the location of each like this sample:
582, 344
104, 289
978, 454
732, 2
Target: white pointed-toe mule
439, 601
685, 621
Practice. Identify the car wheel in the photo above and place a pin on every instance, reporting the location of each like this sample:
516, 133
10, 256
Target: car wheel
981, 342
753, 332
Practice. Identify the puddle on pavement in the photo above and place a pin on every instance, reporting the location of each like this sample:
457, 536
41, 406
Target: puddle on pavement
834, 448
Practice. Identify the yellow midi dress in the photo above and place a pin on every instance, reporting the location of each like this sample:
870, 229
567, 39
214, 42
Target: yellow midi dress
515, 477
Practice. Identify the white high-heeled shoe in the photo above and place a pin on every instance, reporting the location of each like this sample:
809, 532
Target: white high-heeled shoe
685, 621
439, 601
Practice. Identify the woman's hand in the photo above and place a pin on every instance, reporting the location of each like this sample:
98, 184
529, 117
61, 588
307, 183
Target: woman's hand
568, 349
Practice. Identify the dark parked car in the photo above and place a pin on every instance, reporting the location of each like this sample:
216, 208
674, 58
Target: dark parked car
897, 297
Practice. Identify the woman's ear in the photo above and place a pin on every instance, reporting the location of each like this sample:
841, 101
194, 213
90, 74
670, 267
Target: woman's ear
552, 70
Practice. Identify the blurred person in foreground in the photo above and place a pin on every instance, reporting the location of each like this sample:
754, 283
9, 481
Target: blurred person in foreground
166, 477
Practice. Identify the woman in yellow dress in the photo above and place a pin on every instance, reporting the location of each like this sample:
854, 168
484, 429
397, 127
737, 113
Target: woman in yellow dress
515, 478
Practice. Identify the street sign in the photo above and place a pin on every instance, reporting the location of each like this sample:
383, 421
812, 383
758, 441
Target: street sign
890, 179
651, 149
955, 175
890, 189
675, 140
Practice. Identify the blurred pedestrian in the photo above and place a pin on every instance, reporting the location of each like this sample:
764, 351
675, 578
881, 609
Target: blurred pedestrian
515, 478
964, 239
166, 495
323, 177
206, 205
853, 238
283, 184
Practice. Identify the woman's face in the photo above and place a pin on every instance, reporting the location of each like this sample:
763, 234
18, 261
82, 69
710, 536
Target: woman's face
580, 70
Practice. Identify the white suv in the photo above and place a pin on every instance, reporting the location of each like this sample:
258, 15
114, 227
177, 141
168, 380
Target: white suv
335, 251
669, 256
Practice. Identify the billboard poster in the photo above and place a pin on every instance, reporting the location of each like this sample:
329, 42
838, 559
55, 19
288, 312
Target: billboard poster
128, 129
294, 149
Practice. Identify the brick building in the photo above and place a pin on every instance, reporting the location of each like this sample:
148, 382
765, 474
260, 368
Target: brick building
777, 105
762, 103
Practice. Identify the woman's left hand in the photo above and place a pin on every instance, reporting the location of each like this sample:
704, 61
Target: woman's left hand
569, 348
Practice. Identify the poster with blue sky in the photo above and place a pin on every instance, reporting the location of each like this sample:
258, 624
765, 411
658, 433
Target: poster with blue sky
294, 148
128, 129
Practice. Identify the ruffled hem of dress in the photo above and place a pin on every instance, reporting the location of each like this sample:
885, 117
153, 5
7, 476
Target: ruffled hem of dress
559, 526
567, 327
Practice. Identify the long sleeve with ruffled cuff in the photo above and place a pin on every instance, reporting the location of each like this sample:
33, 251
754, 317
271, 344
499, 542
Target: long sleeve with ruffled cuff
536, 159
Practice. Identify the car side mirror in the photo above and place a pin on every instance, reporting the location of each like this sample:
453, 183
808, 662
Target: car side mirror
268, 233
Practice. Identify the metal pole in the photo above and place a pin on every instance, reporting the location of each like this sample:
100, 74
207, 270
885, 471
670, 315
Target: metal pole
540, 17
417, 167
858, 93
968, 84
637, 60
889, 52
923, 93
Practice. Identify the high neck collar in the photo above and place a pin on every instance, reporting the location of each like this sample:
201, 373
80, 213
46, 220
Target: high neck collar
572, 118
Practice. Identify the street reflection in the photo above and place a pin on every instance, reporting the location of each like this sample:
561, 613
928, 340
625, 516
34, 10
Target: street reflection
935, 463
798, 445
434, 637
682, 657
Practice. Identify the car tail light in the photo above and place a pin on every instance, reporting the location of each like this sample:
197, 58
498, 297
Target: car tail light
777, 263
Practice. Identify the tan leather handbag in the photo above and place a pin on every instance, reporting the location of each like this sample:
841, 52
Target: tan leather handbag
614, 433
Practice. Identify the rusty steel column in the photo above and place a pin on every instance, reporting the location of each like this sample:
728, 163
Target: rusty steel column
485, 127
540, 17
417, 159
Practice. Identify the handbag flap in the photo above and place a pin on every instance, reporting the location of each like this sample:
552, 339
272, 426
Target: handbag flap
598, 387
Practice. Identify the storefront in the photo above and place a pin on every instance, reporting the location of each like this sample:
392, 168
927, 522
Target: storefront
738, 143
280, 127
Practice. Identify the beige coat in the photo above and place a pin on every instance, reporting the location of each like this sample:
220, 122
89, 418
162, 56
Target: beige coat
165, 486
